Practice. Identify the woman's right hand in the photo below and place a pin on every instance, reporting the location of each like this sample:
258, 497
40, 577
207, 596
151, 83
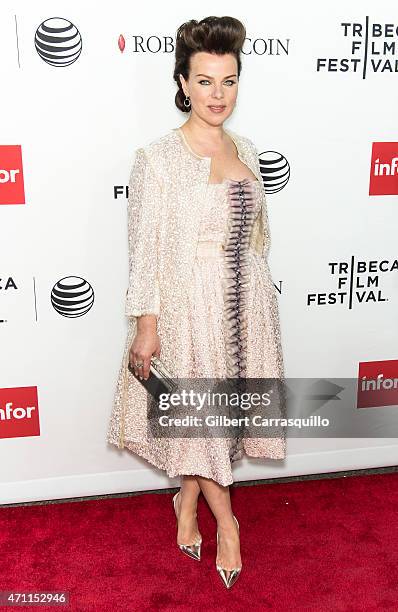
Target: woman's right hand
145, 344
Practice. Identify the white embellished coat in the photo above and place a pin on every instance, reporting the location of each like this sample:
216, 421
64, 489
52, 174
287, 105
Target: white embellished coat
166, 189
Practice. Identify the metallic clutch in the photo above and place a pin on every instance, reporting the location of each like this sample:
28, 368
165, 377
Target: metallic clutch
159, 381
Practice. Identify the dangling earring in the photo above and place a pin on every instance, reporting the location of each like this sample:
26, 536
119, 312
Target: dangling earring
187, 100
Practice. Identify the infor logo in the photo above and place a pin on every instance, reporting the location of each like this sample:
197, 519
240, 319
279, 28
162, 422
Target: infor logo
384, 169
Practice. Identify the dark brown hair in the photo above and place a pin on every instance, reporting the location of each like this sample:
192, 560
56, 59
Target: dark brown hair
218, 35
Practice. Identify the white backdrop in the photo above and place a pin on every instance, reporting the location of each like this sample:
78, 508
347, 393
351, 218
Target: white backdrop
78, 126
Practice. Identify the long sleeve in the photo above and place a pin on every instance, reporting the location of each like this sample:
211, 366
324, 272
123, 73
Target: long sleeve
144, 200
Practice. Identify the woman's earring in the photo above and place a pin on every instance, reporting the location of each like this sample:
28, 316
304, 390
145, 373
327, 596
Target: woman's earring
187, 100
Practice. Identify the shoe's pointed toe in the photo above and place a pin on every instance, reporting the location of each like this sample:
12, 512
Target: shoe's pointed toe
192, 550
229, 577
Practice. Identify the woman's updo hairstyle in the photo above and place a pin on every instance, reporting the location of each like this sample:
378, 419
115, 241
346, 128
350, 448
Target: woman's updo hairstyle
218, 35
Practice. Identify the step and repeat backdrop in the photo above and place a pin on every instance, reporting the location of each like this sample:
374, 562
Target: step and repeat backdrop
83, 86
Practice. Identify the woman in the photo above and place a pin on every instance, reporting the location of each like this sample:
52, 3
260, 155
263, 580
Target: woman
200, 295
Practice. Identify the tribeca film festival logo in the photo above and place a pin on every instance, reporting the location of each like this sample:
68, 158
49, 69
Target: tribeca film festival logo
58, 42
378, 384
371, 47
19, 412
356, 282
12, 190
384, 169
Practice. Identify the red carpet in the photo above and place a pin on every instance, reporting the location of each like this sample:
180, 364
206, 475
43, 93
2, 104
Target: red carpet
320, 545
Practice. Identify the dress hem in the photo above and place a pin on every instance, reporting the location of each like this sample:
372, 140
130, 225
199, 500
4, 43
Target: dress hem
132, 447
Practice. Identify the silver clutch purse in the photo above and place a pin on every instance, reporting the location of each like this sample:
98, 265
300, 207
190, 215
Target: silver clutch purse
160, 379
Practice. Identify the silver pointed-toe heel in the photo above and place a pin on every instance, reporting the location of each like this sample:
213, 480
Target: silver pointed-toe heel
229, 577
192, 550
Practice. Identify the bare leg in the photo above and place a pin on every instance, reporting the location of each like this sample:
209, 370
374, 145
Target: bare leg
218, 498
186, 508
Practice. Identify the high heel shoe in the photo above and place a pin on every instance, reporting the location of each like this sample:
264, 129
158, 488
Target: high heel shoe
229, 577
192, 550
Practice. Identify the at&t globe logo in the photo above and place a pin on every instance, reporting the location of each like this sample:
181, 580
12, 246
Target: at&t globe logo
275, 171
58, 42
72, 296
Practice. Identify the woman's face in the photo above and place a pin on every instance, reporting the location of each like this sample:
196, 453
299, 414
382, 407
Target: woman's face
212, 83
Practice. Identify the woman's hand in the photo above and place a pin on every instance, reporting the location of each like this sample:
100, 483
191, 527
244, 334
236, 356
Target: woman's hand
145, 344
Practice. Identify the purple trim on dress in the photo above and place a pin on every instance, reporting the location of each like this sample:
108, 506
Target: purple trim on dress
236, 280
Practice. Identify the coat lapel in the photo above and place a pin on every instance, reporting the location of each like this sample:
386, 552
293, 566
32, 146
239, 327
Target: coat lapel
244, 156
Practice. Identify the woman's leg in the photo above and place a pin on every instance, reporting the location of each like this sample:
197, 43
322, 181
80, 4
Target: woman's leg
218, 498
186, 508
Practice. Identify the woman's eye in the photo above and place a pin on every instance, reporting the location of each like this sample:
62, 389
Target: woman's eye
207, 81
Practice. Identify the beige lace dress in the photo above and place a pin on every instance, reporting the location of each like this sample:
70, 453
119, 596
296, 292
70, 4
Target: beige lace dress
232, 317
